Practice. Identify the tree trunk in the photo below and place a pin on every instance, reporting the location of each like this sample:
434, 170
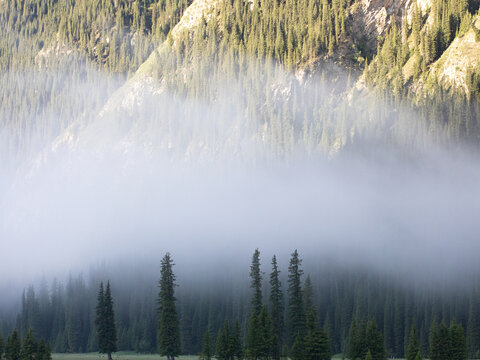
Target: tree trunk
109, 356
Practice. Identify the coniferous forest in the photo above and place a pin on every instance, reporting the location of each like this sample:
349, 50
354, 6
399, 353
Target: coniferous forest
282, 310
266, 82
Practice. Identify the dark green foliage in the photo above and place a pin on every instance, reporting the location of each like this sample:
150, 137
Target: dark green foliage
413, 346
345, 299
224, 348
260, 340
29, 347
457, 342
374, 341
13, 347
296, 309
297, 352
207, 351
308, 295
276, 308
256, 283
2, 346
237, 348
168, 323
365, 338
43, 351
317, 344
105, 322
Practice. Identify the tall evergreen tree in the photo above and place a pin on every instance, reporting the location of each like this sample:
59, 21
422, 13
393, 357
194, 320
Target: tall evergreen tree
296, 312
207, 352
168, 323
105, 322
413, 345
237, 348
276, 306
458, 344
317, 344
224, 343
256, 283
29, 347
308, 295
2, 346
13, 347
374, 341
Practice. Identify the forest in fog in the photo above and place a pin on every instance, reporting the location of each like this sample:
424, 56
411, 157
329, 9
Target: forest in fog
64, 313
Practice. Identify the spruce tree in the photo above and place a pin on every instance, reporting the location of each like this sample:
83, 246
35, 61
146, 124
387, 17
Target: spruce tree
29, 346
237, 349
168, 324
458, 344
224, 343
13, 347
296, 314
413, 346
105, 322
374, 341
276, 305
254, 340
298, 349
256, 283
308, 295
2, 346
317, 344
434, 341
444, 341
206, 353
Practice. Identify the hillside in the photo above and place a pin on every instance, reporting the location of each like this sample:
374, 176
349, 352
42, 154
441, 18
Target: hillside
278, 57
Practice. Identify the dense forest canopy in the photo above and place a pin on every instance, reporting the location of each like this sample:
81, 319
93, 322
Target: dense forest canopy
64, 314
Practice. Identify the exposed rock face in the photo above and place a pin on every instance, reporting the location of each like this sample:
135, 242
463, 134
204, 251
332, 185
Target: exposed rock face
462, 54
199, 10
372, 18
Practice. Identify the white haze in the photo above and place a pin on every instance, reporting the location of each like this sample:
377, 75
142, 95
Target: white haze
96, 203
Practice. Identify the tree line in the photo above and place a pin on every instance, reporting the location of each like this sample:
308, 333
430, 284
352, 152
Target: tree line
330, 310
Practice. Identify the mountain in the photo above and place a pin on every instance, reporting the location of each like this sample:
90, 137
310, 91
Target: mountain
314, 76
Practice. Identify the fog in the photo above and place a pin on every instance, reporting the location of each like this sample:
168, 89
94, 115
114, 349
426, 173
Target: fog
128, 193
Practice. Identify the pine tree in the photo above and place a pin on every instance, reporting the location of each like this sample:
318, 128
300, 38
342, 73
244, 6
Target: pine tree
298, 349
265, 348
237, 350
413, 346
256, 283
317, 344
206, 353
13, 347
458, 344
434, 341
224, 343
42, 352
296, 314
29, 346
254, 341
308, 295
374, 341
369, 355
276, 303
168, 323
444, 341
2, 346
105, 322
